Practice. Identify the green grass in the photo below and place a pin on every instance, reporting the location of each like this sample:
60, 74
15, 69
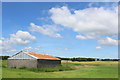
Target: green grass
67, 70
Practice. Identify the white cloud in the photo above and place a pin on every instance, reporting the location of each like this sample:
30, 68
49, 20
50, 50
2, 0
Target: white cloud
108, 42
30, 48
84, 37
49, 30
18, 39
21, 38
37, 49
98, 47
10, 50
44, 18
95, 22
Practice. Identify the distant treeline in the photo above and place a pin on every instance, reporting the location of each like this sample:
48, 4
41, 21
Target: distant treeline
87, 59
73, 59
4, 57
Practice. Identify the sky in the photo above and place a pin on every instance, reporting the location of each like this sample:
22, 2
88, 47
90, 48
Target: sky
64, 29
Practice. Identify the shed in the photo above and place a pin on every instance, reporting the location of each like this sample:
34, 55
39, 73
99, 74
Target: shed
32, 60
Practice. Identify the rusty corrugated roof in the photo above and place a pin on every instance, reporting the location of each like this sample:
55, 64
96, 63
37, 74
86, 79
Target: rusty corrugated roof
43, 56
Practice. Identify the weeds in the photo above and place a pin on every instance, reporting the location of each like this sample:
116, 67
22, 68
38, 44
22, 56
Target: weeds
50, 69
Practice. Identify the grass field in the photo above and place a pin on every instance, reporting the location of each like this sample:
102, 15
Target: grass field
67, 70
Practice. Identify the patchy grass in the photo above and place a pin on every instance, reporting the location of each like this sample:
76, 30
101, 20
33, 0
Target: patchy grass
67, 70
51, 69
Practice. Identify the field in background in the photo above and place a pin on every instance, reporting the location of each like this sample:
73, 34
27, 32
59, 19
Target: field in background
68, 69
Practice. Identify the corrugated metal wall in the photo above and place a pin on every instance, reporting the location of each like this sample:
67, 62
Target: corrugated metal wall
18, 63
48, 63
22, 55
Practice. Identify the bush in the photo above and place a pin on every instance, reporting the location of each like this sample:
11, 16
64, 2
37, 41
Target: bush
22, 68
50, 69
4, 66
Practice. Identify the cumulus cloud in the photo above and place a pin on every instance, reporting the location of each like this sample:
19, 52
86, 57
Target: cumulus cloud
48, 30
95, 22
18, 39
84, 37
108, 42
21, 38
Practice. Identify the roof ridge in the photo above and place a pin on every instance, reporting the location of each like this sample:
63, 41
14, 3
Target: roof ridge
42, 55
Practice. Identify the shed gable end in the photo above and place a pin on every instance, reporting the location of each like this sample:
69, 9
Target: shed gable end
22, 55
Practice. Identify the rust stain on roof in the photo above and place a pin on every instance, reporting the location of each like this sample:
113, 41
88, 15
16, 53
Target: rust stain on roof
43, 56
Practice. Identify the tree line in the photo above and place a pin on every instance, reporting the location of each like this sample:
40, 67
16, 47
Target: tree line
87, 59
4, 57
73, 59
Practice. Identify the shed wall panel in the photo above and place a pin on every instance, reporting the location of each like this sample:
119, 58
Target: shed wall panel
48, 63
22, 63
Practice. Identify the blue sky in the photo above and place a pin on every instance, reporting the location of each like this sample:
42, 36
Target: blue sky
60, 29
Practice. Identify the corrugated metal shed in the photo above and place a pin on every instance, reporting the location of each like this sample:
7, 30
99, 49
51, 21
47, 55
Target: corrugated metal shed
32, 55
32, 60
